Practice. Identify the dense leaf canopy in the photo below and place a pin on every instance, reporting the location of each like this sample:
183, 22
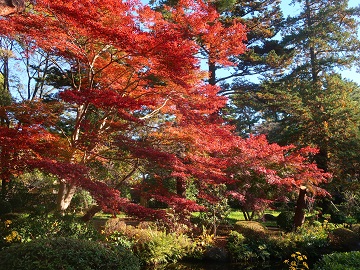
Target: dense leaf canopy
128, 89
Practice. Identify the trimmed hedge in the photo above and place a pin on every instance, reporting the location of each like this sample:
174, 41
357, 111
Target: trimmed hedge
250, 229
67, 254
339, 261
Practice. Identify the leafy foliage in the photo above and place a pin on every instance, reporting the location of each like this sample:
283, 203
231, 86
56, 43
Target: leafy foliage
121, 96
234, 245
24, 229
298, 261
265, 172
151, 245
338, 261
251, 248
125, 114
67, 253
216, 208
312, 104
285, 220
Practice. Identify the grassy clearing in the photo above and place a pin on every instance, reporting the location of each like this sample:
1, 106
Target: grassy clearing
237, 215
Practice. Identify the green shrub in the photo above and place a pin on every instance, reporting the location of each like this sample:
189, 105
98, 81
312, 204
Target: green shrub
202, 243
235, 245
280, 246
28, 228
244, 249
311, 236
255, 242
339, 261
285, 220
164, 248
66, 253
310, 239
151, 245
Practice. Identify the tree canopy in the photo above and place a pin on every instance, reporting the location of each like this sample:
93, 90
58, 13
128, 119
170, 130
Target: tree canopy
129, 97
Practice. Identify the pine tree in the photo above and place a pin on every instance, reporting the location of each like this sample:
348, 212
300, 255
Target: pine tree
312, 104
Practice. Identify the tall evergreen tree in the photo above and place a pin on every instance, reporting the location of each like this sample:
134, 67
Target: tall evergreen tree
265, 56
311, 103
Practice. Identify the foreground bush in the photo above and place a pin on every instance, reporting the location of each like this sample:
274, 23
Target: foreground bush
339, 261
35, 226
152, 246
66, 254
310, 239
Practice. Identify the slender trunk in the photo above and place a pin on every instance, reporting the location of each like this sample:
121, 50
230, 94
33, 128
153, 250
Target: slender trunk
180, 187
299, 217
5, 100
246, 215
313, 61
66, 190
214, 223
212, 73
91, 213
65, 195
322, 158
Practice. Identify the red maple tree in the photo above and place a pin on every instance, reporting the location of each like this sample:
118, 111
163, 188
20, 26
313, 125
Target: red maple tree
130, 89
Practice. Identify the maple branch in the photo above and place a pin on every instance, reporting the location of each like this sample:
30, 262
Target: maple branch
104, 49
136, 165
154, 111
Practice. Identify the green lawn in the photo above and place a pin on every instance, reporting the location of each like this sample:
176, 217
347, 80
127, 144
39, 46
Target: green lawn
238, 215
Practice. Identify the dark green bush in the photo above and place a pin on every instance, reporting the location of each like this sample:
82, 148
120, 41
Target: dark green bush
235, 245
244, 249
66, 253
342, 239
339, 261
338, 217
285, 220
5, 207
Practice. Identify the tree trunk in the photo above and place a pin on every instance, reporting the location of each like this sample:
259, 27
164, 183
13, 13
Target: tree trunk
212, 73
180, 187
65, 195
91, 213
299, 217
313, 60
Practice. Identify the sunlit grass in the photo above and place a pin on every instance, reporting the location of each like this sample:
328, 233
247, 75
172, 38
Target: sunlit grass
238, 215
